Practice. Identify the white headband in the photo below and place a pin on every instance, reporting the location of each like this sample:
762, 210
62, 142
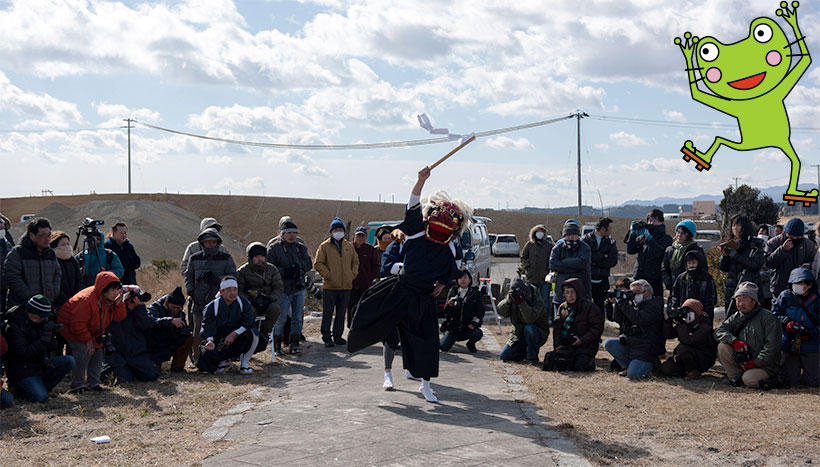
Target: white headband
228, 283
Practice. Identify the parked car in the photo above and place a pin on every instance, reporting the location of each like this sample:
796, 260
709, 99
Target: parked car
492, 239
475, 244
26, 217
506, 245
587, 228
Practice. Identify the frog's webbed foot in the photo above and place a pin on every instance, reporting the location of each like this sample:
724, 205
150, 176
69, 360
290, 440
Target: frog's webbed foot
796, 196
789, 15
692, 154
687, 45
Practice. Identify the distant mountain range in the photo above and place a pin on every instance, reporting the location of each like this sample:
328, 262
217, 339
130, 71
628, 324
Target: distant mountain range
774, 192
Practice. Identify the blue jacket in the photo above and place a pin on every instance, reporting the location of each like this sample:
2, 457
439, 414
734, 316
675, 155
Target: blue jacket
803, 311
568, 264
95, 261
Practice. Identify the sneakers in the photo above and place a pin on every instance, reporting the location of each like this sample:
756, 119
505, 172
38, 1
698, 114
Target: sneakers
246, 370
409, 375
223, 365
425, 391
471, 347
294, 345
388, 382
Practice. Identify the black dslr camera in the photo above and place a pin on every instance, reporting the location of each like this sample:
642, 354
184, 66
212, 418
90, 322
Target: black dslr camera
639, 225
89, 227
743, 356
517, 294
619, 294
567, 341
677, 314
105, 341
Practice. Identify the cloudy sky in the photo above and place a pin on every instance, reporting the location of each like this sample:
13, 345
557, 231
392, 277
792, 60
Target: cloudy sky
336, 72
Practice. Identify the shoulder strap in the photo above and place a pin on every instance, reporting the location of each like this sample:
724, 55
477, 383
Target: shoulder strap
109, 257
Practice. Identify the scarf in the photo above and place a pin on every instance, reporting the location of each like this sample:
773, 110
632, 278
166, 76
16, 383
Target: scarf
565, 330
677, 255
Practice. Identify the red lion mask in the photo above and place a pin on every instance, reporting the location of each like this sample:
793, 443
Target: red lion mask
444, 220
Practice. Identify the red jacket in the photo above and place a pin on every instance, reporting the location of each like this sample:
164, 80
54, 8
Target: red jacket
87, 315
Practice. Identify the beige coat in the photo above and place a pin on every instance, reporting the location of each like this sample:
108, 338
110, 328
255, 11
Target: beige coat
337, 270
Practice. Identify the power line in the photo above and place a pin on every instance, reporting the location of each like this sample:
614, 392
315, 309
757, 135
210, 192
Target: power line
650, 122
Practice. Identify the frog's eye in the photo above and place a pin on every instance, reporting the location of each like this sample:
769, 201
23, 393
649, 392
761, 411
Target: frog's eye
709, 52
762, 33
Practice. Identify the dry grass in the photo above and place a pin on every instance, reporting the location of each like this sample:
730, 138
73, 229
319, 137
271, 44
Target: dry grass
664, 420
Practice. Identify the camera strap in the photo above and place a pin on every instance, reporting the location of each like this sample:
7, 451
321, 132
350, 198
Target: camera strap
747, 319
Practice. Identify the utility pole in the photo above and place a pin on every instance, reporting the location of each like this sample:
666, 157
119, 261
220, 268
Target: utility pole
818, 184
736, 179
578, 116
129, 125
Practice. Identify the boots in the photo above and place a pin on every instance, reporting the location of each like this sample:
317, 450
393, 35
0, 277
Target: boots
178, 362
277, 344
294, 344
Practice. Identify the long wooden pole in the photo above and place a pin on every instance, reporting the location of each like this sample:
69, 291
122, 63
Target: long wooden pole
455, 150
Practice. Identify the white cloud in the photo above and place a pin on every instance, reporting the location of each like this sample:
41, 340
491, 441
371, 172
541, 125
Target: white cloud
601, 146
770, 155
674, 116
218, 160
627, 140
38, 110
248, 185
504, 142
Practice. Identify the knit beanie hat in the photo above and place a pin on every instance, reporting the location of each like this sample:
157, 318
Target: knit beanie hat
795, 227
39, 305
693, 305
689, 225
256, 249
337, 224
570, 228
360, 230
56, 235
746, 289
176, 297
288, 226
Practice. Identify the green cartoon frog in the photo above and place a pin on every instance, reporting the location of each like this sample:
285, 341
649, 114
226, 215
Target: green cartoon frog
750, 80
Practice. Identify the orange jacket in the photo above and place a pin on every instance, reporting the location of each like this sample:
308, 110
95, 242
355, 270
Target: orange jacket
87, 315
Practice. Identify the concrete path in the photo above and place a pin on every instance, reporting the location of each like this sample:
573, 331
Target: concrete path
328, 408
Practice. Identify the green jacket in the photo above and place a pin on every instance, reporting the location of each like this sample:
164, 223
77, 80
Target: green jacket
523, 314
535, 257
762, 335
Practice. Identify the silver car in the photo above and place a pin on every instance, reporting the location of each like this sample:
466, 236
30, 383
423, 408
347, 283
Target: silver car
506, 245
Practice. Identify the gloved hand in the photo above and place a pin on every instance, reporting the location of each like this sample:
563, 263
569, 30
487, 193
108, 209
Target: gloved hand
739, 345
748, 365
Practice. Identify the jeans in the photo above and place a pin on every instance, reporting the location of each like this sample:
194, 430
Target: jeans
334, 300
545, 289
635, 369
6, 399
36, 388
470, 335
85, 365
523, 348
294, 302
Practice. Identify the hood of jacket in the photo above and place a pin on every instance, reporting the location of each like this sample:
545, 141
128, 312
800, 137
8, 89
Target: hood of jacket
208, 223
209, 233
801, 274
536, 228
102, 281
576, 284
697, 253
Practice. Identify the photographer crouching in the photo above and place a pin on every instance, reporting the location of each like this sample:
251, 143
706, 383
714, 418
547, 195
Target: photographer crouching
697, 349
641, 340
127, 357
171, 338
530, 320
578, 329
463, 315
31, 336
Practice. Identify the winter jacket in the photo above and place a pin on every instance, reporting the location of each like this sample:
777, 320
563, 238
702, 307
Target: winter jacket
782, 262
468, 310
369, 264
535, 257
28, 272
95, 261
87, 315
762, 336
164, 336
568, 264
71, 281
647, 342
29, 344
697, 335
392, 255
128, 257
603, 257
204, 274
804, 311
5, 248
195, 247
697, 284
130, 336
650, 255
744, 265
587, 322
260, 282
531, 311
337, 263
237, 317
668, 273
293, 262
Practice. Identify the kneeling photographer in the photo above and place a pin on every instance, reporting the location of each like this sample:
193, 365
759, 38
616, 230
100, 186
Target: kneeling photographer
31, 336
171, 339
578, 329
463, 314
637, 348
697, 348
127, 357
530, 320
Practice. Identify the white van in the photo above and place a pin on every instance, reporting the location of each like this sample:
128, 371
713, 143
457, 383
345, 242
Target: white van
475, 244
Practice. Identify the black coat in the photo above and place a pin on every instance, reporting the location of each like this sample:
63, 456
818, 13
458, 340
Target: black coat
650, 255
744, 265
29, 345
698, 285
164, 337
129, 336
604, 256
468, 311
28, 272
71, 281
128, 257
587, 324
699, 336
782, 262
648, 341
229, 318
669, 273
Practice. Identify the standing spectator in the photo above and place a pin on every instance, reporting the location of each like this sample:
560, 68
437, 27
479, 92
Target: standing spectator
261, 283
749, 341
5, 248
119, 244
578, 327
673, 259
530, 322
649, 241
71, 278
227, 329
696, 349
741, 257
195, 246
338, 264
637, 349
128, 357
694, 283
798, 309
32, 336
369, 264
604, 256
205, 270
786, 252
570, 258
171, 336
463, 314
31, 267
535, 259
383, 240
86, 317
5, 229
293, 261
96, 259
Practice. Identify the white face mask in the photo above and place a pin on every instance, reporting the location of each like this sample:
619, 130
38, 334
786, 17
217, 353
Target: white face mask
799, 289
64, 252
690, 317
765, 238
539, 235
338, 235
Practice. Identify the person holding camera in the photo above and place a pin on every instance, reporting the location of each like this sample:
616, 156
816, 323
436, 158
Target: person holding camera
641, 340
604, 256
228, 330
95, 258
32, 336
742, 258
749, 341
338, 264
31, 267
694, 282
535, 259
798, 309
118, 243
86, 318
463, 314
293, 260
674, 258
570, 258
648, 240
530, 320
577, 331
696, 349
787, 251
127, 357
260, 282
71, 277
205, 270
170, 338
